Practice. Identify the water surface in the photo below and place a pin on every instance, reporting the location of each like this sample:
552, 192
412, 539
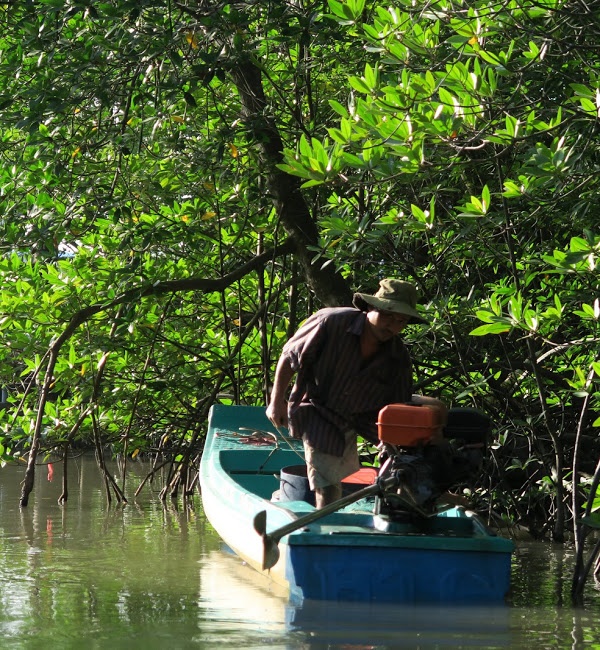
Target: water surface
153, 575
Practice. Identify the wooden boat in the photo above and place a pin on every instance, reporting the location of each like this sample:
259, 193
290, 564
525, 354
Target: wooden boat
351, 554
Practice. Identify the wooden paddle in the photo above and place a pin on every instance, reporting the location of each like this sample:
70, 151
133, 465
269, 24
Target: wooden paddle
271, 540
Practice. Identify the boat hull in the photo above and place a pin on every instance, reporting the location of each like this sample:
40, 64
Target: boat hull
351, 555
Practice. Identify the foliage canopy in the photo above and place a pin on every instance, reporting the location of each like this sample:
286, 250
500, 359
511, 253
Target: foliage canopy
182, 182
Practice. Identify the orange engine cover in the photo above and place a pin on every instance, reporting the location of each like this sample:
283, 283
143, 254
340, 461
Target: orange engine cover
407, 425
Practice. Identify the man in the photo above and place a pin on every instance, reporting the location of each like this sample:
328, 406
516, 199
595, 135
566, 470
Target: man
350, 362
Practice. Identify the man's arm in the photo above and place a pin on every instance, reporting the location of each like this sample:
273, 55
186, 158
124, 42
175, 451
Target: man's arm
299, 352
277, 408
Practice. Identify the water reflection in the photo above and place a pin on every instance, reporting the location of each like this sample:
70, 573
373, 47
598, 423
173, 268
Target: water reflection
88, 575
238, 599
153, 576
232, 591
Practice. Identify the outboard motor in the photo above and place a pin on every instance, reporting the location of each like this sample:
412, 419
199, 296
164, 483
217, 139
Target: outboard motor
424, 471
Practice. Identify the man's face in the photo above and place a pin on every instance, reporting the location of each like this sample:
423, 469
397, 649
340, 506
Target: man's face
386, 324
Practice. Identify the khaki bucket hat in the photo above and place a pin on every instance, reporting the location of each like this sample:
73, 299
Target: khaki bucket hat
393, 295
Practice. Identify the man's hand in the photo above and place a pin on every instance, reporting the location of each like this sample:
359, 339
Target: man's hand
277, 413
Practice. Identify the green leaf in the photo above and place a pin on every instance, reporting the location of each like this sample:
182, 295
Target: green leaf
485, 198
359, 84
339, 108
342, 10
491, 328
591, 521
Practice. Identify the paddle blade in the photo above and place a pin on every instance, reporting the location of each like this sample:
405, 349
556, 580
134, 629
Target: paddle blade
270, 548
260, 522
270, 552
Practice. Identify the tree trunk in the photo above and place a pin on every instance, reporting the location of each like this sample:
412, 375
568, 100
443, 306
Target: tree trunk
327, 284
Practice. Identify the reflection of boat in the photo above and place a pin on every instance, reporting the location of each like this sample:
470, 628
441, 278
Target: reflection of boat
238, 594
242, 603
349, 555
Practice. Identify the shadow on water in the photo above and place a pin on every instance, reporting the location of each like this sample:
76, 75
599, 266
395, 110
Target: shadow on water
153, 576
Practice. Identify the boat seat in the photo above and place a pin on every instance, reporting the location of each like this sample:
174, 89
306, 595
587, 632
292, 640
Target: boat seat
261, 484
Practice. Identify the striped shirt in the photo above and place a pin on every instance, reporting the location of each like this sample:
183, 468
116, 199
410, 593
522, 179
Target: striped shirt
335, 389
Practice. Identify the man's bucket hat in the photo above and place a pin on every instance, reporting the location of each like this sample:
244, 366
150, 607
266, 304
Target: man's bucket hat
393, 295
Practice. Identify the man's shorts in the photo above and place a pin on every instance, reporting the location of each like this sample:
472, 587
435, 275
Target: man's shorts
326, 469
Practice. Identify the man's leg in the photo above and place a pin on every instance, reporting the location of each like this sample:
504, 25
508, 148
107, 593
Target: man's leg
327, 494
325, 472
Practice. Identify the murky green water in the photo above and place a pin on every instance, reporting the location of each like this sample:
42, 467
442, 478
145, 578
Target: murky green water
88, 575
